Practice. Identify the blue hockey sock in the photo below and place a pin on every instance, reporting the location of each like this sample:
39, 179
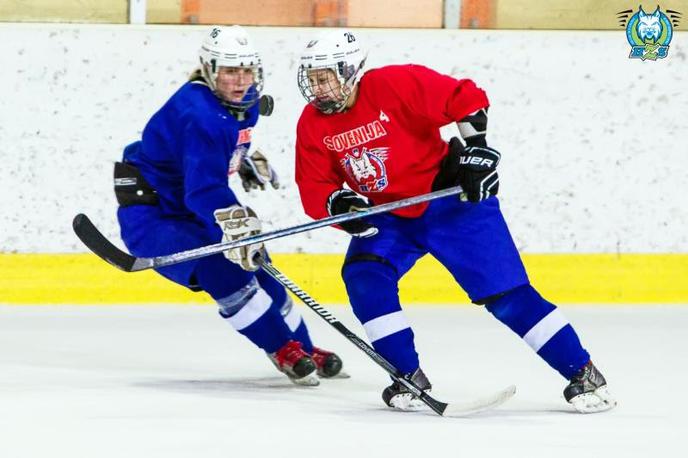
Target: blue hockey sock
283, 303
374, 296
301, 334
243, 303
251, 313
399, 349
543, 327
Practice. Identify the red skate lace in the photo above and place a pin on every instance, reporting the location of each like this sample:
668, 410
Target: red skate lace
290, 354
319, 356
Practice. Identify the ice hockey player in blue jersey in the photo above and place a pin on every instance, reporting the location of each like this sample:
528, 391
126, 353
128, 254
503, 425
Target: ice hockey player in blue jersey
172, 187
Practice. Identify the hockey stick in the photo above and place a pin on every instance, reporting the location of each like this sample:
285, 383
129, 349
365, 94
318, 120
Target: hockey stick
441, 408
100, 245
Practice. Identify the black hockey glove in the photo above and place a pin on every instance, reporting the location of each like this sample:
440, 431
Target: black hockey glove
346, 201
472, 167
256, 172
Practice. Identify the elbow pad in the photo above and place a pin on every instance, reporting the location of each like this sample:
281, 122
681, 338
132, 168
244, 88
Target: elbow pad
473, 128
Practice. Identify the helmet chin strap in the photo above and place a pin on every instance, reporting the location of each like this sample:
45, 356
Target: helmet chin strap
208, 77
347, 91
348, 88
240, 115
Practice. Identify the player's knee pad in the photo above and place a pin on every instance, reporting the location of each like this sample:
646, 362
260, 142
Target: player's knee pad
520, 309
231, 305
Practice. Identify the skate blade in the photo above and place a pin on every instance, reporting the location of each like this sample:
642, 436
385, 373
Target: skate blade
308, 380
341, 374
599, 400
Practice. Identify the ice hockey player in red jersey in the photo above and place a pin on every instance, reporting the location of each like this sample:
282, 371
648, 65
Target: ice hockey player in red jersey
374, 138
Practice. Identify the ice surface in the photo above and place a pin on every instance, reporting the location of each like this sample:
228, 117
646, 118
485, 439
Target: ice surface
176, 381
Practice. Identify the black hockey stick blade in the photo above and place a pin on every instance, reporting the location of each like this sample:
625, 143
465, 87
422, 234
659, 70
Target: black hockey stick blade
89, 234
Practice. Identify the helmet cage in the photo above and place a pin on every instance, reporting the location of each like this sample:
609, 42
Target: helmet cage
347, 75
235, 51
210, 71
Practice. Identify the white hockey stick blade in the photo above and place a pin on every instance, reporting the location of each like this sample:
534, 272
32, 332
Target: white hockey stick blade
462, 409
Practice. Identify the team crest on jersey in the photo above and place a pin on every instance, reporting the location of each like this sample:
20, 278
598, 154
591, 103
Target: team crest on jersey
244, 136
367, 168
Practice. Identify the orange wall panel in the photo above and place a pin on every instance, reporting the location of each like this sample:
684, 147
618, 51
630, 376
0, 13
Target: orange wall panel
393, 13
258, 12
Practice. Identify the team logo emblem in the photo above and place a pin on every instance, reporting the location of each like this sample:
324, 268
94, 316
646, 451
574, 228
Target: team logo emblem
244, 136
367, 168
649, 34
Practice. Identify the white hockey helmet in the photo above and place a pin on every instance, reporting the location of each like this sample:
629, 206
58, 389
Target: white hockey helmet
338, 51
231, 47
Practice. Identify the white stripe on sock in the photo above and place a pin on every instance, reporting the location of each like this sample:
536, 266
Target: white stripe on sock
252, 311
545, 329
293, 319
385, 325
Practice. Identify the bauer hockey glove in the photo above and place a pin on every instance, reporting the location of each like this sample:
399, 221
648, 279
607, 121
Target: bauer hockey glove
346, 201
473, 167
255, 172
238, 222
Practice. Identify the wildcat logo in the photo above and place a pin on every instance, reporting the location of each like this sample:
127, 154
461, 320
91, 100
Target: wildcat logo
649, 34
367, 168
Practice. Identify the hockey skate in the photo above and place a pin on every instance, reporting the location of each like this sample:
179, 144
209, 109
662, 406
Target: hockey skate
328, 364
587, 391
295, 363
399, 397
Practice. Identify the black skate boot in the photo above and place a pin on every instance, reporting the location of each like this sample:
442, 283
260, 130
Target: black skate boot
295, 363
328, 364
588, 392
399, 397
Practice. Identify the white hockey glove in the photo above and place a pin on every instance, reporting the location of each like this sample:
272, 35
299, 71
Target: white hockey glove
256, 172
238, 222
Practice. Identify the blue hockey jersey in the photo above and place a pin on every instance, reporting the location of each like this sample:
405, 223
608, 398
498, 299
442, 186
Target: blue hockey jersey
188, 150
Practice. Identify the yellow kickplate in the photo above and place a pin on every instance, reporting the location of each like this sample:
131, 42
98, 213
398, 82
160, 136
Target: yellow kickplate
561, 278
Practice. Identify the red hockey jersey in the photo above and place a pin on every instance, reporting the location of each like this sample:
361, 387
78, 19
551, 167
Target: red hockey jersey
387, 146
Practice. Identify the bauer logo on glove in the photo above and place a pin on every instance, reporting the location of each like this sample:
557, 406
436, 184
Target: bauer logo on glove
474, 168
477, 173
477, 160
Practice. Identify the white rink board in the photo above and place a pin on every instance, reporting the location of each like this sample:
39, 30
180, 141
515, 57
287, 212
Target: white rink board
594, 144
177, 382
